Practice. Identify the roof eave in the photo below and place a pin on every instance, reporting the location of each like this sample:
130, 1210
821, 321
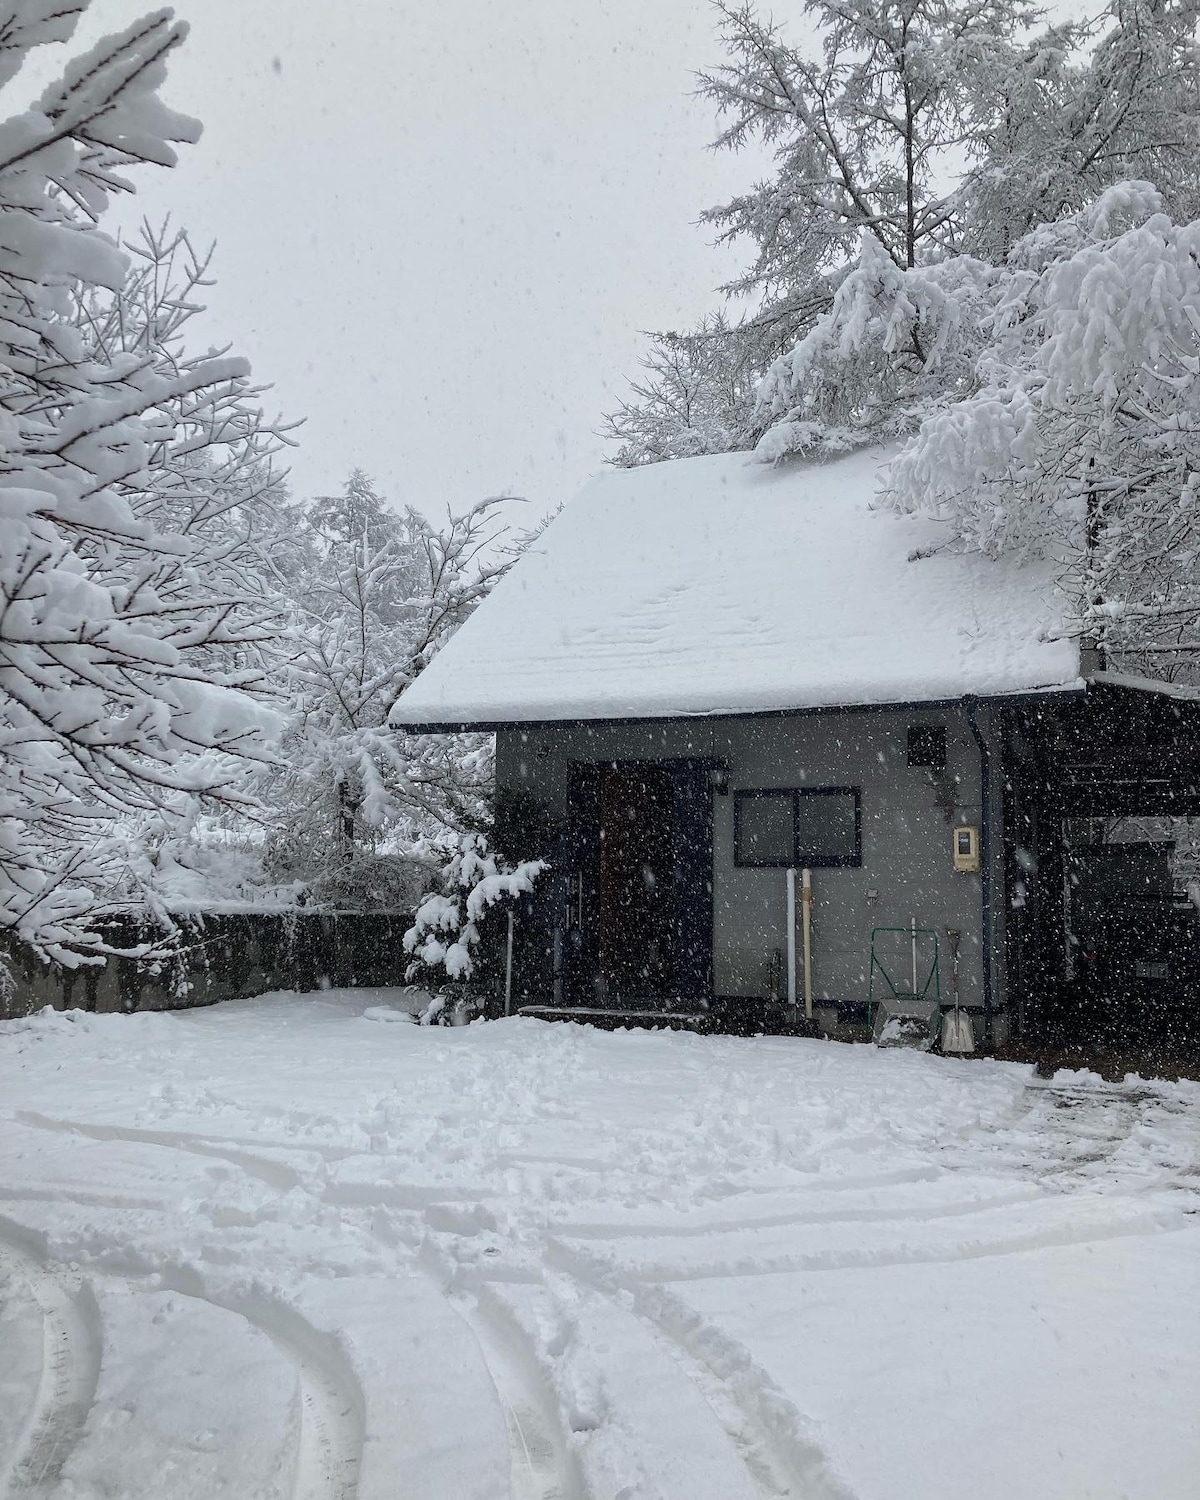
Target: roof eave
568, 721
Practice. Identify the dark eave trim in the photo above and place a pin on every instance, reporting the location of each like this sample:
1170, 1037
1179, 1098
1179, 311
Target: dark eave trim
484, 726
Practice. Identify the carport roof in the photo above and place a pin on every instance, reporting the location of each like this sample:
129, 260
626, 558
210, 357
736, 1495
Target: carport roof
719, 585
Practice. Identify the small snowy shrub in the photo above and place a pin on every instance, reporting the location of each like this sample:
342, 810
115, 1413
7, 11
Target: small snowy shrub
446, 927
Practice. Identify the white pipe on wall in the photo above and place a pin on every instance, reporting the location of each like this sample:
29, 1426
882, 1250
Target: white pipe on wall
791, 938
508, 967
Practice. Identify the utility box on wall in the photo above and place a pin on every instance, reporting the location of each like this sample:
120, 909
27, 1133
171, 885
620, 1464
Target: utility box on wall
966, 851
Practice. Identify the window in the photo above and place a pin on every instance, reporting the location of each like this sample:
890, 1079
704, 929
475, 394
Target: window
813, 827
765, 828
827, 827
927, 746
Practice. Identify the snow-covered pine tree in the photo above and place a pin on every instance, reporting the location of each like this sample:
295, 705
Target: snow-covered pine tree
362, 811
356, 516
1082, 443
447, 926
1091, 105
120, 696
867, 129
916, 133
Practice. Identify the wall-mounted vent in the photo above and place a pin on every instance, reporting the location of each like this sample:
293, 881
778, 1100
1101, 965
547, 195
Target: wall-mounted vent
927, 747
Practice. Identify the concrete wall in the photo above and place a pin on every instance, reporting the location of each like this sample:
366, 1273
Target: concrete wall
219, 957
907, 866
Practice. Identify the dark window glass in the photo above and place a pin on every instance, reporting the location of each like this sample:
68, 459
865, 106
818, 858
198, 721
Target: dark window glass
927, 746
827, 828
765, 828
815, 827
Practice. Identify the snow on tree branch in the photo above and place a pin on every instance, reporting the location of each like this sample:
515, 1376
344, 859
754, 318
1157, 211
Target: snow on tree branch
130, 478
357, 805
908, 139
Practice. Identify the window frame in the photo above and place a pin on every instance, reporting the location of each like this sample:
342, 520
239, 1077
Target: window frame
800, 860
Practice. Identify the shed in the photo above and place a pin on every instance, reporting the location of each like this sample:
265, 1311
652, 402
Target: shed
709, 672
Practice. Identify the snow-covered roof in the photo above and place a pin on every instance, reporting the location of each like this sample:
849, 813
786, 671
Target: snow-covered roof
720, 585
1180, 692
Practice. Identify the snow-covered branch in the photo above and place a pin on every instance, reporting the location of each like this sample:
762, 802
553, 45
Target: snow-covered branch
131, 479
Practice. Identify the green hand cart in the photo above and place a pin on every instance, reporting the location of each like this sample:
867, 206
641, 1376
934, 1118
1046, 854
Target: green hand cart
905, 1012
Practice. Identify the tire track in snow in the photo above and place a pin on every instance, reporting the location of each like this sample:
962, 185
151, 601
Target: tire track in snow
1147, 1222
544, 1466
768, 1469
331, 1437
781, 1447
275, 1174
777, 1445
331, 1409
576, 1350
329, 1452
70, 1368
802, 1219
774, 1432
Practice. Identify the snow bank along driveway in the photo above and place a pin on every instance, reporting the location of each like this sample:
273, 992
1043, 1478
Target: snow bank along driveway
300, 1247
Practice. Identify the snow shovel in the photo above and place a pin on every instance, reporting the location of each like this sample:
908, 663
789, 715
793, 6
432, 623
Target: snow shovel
958, 1038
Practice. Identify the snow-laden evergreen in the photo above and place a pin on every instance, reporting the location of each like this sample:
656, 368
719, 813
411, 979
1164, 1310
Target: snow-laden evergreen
446, 928
1082, 441
937, 129
979, 237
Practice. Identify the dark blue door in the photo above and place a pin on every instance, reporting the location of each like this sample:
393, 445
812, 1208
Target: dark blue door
693, 880
605, 922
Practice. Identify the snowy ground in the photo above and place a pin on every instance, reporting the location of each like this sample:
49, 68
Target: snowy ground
300, 1247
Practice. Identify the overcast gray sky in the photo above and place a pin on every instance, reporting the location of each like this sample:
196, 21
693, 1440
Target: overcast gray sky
441, 225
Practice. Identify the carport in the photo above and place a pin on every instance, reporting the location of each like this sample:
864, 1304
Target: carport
1102, 840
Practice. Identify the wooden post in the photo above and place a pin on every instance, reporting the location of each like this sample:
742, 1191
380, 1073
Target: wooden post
807, 901
791, 940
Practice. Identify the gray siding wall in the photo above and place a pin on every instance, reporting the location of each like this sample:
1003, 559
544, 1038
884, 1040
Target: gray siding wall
907, 865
